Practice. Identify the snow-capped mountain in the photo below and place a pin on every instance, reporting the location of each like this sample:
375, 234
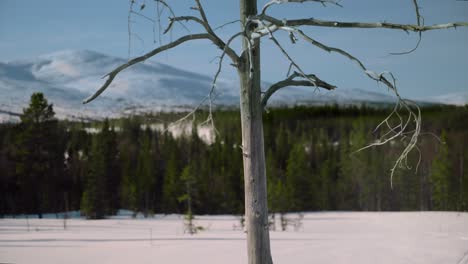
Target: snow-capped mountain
460, 98
68, 77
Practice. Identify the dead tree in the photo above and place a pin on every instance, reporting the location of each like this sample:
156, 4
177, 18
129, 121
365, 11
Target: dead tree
255, 25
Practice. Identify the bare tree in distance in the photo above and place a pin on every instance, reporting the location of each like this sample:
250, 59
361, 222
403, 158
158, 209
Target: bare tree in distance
403, 122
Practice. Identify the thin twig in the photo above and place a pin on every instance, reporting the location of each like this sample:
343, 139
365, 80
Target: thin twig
419, 20
215, 79
225, 24
171, 11
129, 27
182, 18
285, 53
278, 2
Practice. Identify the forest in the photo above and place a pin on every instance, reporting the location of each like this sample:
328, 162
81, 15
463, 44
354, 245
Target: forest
49, 165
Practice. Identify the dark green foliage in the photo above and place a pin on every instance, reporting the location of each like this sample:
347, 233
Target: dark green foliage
172, 186
145, 179
300, 184
51, 166
188, 180
440, 176
37, 151
101, 183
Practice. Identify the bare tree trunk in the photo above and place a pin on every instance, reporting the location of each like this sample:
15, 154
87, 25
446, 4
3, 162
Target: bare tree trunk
256, 211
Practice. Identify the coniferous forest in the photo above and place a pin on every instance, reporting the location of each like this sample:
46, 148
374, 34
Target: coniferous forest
98, 167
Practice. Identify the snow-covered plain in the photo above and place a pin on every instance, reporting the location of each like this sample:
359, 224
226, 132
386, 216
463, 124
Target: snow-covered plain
342, 237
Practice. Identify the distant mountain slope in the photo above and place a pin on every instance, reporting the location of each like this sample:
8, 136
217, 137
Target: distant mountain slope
67, 77
460, 98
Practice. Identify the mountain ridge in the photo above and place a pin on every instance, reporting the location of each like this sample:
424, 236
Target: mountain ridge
67, 77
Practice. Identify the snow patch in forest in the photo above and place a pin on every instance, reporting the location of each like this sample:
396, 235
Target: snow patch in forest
184, 129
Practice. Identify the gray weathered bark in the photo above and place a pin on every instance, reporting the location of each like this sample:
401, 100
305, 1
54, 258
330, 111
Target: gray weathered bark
256, 212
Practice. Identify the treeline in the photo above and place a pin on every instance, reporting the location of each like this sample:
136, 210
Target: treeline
53, 166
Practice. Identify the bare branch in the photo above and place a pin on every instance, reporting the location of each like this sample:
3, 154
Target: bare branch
411, 50
168, 8
227, 23
150, 20
401, 130
142, 15
278, 2
170, 11
190, 114
112, 74
129, 27
182, 18
203, 15
218, 71
209, 97
325, 47
418, 21
285, 53
158, 18
166, 5
290, 81
215, 79
209, 35
372, 75
214, 38
398, 131
418, 15
341, 24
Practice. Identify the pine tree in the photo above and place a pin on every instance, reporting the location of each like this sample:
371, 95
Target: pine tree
128, 150
76, 165
300, 185
171, 186
188, 179
440, 176
38, 155
354, 171
145, 173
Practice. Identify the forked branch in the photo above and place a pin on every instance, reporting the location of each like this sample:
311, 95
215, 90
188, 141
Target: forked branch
110, 76
292, 81
203, 21
419, 20
182, 18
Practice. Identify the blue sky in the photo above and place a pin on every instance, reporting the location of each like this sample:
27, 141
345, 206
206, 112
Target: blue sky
439, 66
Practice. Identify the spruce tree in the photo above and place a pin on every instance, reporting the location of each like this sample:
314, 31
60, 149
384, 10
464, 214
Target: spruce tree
171, 186
99, 189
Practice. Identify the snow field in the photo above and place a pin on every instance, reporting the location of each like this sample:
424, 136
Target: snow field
330, 237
